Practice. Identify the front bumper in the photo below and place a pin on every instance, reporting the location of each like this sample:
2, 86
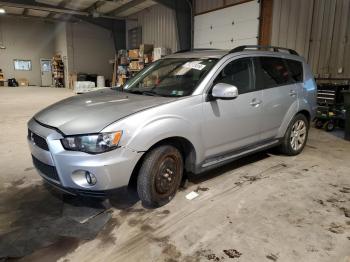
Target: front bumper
112, 169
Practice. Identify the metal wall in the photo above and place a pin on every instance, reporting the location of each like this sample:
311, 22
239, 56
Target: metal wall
319, 30
202, 6
158, 27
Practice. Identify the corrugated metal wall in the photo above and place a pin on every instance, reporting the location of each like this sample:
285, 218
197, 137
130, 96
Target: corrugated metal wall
202, 6
319, 30
158, 27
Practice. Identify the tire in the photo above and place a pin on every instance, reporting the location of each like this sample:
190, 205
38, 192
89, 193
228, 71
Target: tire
290, 146
319, 124
160, 175
330, 126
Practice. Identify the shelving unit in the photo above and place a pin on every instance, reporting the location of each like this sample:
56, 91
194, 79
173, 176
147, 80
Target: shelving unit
58, 71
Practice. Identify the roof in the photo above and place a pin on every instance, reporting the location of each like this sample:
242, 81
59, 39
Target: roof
204, 53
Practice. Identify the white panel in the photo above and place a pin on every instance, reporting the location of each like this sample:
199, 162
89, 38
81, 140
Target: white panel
227, 28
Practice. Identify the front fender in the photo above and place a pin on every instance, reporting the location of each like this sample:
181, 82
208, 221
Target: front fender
166, 127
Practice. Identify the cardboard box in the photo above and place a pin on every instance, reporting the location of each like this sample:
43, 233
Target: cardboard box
145, 49
23, 82
147, 59
122, 80
124, 60
133, 53
134, 65
159, 52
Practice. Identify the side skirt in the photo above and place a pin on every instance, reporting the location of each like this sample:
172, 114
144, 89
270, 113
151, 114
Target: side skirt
221, 160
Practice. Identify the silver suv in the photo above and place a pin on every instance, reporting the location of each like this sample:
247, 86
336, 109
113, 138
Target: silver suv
192, 111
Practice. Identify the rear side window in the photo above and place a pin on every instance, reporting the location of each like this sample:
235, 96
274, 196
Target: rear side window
296, 70
274, 72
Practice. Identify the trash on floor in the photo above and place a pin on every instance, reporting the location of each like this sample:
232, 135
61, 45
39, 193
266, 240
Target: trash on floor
192, 195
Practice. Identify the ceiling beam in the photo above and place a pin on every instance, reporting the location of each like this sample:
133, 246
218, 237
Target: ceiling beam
25, 11
56, 10
64, 3
125, 7
71, 19
51, 15
95, 6
44, 8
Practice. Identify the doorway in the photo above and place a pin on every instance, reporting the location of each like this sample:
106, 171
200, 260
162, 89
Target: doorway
46, 72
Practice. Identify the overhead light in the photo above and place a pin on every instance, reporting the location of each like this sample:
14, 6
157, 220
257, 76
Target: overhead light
2, 11
2, 47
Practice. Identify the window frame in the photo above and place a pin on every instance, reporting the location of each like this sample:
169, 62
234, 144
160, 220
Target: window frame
22, 60
302, 70
254, 85
259, 72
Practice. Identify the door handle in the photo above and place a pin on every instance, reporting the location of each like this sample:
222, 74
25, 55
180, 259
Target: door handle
293, 93
255, 102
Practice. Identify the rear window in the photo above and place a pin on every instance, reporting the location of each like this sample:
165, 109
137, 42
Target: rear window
296, 70
274, 72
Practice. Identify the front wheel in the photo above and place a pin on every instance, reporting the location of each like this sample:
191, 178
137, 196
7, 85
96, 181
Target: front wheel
160, 175
296, 135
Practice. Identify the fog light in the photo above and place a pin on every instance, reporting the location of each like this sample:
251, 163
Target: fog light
90, 178
84, 178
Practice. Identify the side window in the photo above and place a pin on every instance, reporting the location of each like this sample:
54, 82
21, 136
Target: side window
274, 72
238, 73
296, 70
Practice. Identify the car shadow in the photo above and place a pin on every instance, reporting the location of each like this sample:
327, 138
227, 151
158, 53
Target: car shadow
41, 216
213, 173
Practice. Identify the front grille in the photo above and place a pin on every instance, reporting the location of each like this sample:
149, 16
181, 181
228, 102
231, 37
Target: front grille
47, 170
38, 140
91, 193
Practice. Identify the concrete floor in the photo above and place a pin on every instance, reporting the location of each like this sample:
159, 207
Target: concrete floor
266, 207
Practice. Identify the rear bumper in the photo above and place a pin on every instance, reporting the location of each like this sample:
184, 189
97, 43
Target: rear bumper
112, 169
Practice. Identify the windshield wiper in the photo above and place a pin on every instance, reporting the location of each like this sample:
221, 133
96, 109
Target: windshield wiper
147, 93
150, 93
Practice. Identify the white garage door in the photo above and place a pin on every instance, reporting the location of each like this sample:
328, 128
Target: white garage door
228, 28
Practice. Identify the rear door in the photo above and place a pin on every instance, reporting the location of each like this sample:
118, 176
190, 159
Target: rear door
230, 125
279, 92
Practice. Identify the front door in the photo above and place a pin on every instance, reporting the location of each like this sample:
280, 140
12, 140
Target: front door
231, 125
46, 72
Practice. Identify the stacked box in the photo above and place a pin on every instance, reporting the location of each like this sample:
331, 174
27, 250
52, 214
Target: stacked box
160, 52
145, 49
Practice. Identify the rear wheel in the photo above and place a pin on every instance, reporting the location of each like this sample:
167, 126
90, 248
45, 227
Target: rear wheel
160, 175
296, 136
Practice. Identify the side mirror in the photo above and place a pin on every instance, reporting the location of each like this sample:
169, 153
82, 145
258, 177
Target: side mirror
224, 91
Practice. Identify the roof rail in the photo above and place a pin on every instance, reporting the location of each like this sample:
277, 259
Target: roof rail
263, 47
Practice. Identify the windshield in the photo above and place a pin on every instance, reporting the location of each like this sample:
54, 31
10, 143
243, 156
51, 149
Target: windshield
170, 77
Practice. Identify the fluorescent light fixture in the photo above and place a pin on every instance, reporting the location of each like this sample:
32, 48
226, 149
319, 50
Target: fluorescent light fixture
2, 11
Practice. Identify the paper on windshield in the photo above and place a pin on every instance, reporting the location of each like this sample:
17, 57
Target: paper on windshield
189, 66
194, 65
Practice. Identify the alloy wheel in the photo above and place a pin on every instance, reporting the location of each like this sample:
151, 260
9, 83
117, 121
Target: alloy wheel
298, 135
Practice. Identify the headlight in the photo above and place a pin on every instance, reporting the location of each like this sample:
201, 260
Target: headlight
93, 144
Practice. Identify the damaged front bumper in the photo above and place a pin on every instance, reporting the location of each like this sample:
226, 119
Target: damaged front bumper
66, 170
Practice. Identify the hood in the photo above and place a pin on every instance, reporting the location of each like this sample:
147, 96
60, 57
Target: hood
91, 112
